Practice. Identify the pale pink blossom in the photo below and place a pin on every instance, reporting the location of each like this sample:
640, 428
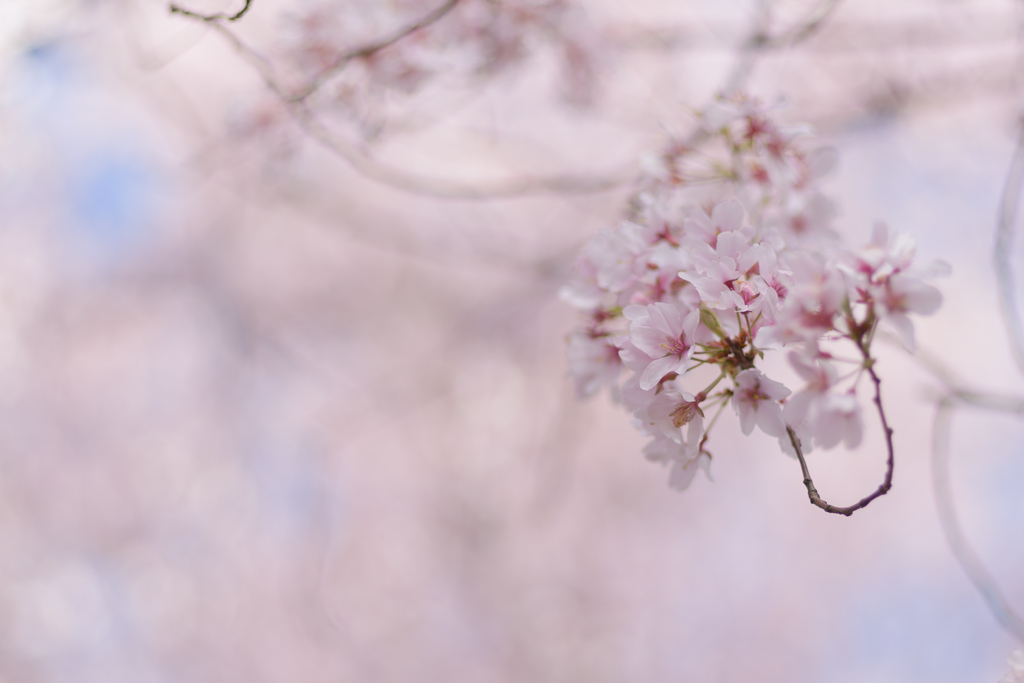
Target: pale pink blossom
681, 474
838, 419
726, 216
756, 401
883, 275
828, 417
901, 294
583, 291
676, 414
682, 467
593, 363
716, 269
812, 303
614, 255
666, 335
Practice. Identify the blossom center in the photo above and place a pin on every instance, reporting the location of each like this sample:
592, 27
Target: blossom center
684, 413
676, 346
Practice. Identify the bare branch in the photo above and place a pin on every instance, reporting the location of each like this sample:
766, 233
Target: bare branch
1003, 251
175, 9
759, 41
802, 31
411, 182
451, 189
962, 550
341, 61
812, 493
954, 387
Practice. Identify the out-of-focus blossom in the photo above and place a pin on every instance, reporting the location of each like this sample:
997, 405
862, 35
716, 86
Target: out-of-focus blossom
1016, 673
756, 401
593, 363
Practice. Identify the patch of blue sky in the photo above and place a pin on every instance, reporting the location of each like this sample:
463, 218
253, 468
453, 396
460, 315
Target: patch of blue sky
47, 70
906, 628
1005, 483
991, 467
112, 199
929, 181
109, 183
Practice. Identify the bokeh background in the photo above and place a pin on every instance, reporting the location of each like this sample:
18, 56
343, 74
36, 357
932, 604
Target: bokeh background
265, 416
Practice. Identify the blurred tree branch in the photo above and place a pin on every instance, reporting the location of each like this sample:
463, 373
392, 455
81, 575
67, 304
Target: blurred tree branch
1004, 250
958, 544
296, 104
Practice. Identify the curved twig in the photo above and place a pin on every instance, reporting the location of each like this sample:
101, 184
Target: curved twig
175, 9
961, 549
1003, 251
812, 493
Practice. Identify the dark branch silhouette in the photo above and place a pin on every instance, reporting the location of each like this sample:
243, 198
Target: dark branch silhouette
175, 9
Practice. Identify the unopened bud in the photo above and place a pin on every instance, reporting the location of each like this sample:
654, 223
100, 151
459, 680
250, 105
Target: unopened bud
708, 319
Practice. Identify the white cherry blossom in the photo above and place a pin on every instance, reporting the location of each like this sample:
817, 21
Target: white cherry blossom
676, 414
756, 401
666, 335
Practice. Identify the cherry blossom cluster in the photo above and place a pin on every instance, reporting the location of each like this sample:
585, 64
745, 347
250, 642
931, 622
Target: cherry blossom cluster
728, 254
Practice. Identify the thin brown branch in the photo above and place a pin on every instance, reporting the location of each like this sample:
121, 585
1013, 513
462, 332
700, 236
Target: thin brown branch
958, 544
1004, 250
175, 9
342, 60
812, 493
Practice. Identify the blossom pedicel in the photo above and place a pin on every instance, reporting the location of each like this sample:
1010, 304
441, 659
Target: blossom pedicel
728, 254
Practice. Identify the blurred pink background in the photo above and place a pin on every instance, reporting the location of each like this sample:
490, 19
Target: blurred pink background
263, 418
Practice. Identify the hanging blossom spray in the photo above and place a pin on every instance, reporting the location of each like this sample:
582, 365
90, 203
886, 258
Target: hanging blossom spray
729, 255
